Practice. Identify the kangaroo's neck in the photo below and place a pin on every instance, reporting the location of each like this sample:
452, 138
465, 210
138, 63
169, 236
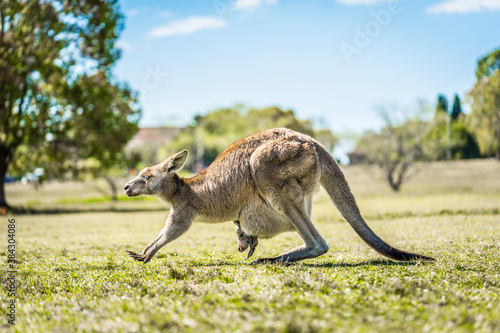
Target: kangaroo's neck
194, 189
172, 189
212, 196
179, 192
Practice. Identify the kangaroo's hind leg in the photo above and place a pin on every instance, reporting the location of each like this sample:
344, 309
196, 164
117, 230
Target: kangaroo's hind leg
287, 173
298, 212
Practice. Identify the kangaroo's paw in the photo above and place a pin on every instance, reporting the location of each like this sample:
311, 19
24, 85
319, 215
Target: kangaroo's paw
250, 253
262, 261
253, 241
139, 256
274, 260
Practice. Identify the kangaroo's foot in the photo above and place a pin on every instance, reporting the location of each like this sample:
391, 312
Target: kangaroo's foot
273, 260
139, 256
296, 254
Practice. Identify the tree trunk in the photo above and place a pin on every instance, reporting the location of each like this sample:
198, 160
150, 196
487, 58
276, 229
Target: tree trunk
394, 186
3, 202
5, 159
389, 176
113, 187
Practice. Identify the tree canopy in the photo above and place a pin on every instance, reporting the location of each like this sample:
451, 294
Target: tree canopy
441, 106
485, 104
456, 110
449, 136
488, 64
58, 101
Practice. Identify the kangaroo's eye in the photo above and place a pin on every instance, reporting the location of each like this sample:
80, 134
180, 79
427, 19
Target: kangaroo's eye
146, 177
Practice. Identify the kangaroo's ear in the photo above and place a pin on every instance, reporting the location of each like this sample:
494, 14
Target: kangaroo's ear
176, 162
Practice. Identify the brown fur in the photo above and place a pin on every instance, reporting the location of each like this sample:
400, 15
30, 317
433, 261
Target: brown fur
266, 182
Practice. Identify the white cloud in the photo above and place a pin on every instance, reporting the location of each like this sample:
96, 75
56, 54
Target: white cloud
188, 26
165, 13
132, 12
246, 4
361, 2
123, 45
251, 4
464, 6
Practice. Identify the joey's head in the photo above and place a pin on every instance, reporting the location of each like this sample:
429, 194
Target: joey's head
242, 238
245, 241
157, 180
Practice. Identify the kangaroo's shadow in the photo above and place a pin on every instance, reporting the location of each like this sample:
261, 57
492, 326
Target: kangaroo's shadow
375, 262
216, 263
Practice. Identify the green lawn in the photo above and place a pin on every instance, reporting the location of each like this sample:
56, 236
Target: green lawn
74, 275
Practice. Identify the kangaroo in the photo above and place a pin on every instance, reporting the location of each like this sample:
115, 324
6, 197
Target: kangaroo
245, 241
264, 181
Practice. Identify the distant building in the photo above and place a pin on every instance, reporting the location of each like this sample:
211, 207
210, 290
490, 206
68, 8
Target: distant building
146, 142
156, 136
356, 157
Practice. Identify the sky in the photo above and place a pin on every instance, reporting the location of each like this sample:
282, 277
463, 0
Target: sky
332, 61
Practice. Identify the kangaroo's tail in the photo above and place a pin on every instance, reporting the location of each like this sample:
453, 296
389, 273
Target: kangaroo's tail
333, 180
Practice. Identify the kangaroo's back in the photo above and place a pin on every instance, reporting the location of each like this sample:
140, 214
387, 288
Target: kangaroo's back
233, 165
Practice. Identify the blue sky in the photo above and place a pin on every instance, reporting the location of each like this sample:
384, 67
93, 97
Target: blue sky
332, 61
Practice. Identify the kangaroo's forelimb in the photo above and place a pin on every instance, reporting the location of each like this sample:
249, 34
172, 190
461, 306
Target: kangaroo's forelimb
174, 227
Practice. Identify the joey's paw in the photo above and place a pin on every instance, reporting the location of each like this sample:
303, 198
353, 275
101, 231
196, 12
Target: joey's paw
253, 241
138, 256
250, 253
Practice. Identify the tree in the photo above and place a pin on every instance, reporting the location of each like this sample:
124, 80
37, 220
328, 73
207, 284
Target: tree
213, 132
58, 102
441, 106
456, 110
449, 136
488, 64
485, 104
397, 147
450, 140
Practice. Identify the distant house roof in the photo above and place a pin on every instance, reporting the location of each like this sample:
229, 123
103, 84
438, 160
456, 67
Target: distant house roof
356, 157
153, 135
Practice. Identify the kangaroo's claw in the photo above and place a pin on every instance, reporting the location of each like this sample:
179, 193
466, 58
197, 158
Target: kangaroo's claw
252, 242
138, 256
263, 261
274, 260
252, 250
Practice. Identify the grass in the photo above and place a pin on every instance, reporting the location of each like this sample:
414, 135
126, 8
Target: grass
74, 275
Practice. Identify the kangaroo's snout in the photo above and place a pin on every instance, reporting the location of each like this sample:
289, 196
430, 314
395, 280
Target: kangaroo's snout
242, 247
136, 187
127, 189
